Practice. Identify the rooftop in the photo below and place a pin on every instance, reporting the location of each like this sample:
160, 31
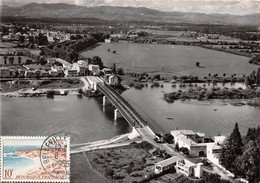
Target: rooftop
64, 62
169, 161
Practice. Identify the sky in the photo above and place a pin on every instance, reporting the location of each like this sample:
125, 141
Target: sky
236, 7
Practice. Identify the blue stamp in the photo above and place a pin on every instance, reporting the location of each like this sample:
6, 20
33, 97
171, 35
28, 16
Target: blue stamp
34, 159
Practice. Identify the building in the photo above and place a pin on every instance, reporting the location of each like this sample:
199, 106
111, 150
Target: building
51, 61
21, 73
166, 164
58, 69
94, 69
44, 73
214, 150
65, 64
4, 72
258, 76
29, 74
189, 169
107, 40
80, 69
181, 165
53, 73
194, 142
106, 71
113, 80
70, 72
83, 63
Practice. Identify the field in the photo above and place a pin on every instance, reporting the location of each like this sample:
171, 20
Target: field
81, 171
133, 163
170, 59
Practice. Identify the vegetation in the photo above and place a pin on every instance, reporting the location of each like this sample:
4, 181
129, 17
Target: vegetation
69, 50
243, 157
126, 164
200, 93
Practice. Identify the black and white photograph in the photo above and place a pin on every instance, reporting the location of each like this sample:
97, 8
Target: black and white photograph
130, 91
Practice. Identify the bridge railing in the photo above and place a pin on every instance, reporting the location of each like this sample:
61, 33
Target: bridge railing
120, 99
128, 116
126, 102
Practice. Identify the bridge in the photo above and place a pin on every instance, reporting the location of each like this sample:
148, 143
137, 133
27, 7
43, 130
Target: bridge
123, 108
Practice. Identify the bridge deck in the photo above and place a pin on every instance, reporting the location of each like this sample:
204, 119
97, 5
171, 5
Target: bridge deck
127, 111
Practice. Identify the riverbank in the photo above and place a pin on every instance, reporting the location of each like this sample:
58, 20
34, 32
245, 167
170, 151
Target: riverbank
37, 88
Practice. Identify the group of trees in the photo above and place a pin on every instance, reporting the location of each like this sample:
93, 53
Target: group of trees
253, 78
69, 52
242, 155
11, 60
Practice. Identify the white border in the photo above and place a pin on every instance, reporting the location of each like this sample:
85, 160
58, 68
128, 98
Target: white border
2, 138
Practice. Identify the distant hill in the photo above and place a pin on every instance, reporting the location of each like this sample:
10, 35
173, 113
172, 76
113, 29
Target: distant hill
61, 10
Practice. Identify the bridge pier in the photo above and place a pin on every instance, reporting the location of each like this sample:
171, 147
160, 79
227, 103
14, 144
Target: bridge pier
117, 114
105, 101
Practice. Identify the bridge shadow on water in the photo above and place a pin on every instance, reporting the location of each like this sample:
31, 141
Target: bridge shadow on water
121, 125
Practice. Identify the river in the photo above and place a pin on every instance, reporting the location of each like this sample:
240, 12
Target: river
213, 117
87, 120
84, 119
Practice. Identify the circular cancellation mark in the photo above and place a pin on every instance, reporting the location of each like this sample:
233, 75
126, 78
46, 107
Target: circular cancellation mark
54, 156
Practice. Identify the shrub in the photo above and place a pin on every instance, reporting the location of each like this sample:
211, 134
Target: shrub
109, 172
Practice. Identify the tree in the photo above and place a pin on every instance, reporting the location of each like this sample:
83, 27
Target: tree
120, 71
5, 59
96, 60
157, 76
11, 60
19, 60
231, 150
113, 68
249, 161
197, 64
168, 138
177, 147
43, 61
21, 39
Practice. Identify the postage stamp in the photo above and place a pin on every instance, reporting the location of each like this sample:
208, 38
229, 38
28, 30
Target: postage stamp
35, 159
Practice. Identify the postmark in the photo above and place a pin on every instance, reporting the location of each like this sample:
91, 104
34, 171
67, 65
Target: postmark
35, 159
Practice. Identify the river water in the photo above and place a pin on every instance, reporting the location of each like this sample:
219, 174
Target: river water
84, 119
212, 117
87, 120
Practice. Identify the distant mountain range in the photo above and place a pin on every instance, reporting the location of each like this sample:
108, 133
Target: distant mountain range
60, 10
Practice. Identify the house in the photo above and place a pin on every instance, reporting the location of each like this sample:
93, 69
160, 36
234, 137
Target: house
94, 69
107, 40
181, 165
106, 71
83, 63
80, 69
4, 72
70, 72
214, 150
58, 69
194, 142
166, 164
13, 73
44, 73
21, 73
113, 80
29, 74
51, 61
189, 169
53, 73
